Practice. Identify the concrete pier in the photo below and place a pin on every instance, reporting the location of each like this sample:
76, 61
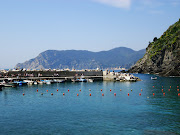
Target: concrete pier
50, 75
38, 75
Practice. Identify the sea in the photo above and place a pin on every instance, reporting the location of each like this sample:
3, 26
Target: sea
147, 107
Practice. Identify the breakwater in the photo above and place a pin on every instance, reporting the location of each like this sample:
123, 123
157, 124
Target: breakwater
42, 74
21, 77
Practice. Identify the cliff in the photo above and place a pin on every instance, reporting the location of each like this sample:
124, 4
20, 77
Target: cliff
162, 55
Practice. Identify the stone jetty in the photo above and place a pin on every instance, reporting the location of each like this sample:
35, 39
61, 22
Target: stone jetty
12, 78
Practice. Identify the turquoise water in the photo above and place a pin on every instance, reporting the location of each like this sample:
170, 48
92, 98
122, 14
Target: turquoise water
34, 114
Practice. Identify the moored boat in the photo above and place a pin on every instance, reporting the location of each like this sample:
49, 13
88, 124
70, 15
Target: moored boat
153, 78
58, 81
82, 80
90, 80
35, 82
29, 82
47, 81
20, 83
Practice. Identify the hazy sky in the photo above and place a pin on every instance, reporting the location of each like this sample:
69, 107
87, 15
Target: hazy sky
29, 27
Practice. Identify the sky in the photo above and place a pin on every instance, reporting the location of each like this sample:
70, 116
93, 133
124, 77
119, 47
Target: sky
29, 27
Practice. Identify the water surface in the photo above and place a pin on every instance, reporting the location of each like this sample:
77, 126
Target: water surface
35, 114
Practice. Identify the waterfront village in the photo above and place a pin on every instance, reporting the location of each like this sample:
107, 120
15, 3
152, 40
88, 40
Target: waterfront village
18, 77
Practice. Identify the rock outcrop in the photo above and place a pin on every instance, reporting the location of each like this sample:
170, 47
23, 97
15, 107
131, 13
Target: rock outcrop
162, 55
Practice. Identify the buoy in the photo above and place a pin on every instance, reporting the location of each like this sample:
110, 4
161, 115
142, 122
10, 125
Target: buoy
120, 90
23, 94
102, 94
139, 94
47, 90
177, 86
128, 94
101, 89
77, 94
169, 89
164, 94
68, 90
162, 86
170, 86
178, 94
89, 89
110, 89
177, 89
90, 94
153, 86
141, 89
162, 90
37, 90
63, 94
51, 93
80, 90
57, 89
41, 93
114, 94
153, 94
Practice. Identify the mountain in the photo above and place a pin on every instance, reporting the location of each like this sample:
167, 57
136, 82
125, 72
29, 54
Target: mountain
80, 59
162, 55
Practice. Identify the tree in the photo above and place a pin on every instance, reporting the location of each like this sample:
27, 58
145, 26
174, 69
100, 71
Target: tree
155, 38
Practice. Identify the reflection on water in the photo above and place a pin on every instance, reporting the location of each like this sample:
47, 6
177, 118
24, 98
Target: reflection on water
96, 114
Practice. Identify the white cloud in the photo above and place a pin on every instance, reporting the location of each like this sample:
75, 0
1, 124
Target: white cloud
116, 3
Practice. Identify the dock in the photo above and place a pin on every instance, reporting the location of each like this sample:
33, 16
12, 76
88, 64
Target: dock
21, 77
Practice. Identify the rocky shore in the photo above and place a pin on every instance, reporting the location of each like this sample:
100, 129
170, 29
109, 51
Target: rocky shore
162, 55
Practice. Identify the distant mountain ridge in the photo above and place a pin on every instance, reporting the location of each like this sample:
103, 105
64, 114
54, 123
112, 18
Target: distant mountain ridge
82, 59
162, 55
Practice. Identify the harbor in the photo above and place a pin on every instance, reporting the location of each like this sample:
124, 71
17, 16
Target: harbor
13, 78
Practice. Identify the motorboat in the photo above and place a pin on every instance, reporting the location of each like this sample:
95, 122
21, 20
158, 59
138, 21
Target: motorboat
29, 82
90, 80
47, 81
20, 83
153, 78
82, 80
74, 80
59, 81
35, 82
40, 82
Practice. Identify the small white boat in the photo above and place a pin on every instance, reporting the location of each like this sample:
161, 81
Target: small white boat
40, 82
47, 81
35, 83
20, 83
29, 82
82, 80
153, 78
58, 81
90, 80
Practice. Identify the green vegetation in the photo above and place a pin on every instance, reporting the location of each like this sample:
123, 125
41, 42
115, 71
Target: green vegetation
166, 41
162, 55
